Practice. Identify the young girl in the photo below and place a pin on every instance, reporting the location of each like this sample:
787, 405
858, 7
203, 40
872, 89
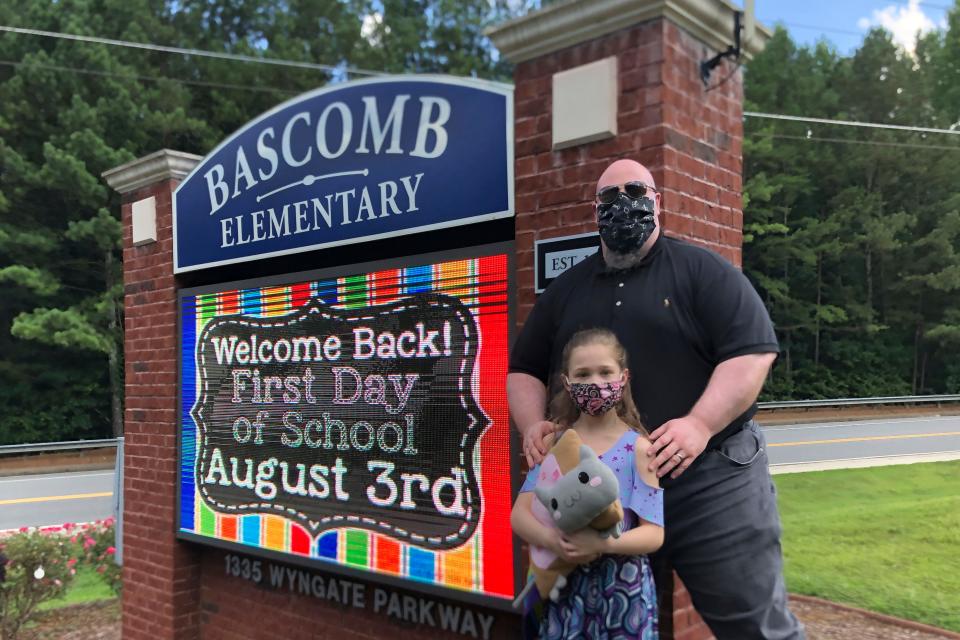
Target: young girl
611, 595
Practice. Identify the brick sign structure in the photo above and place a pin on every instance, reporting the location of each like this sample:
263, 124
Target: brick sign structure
195, 566
599, 81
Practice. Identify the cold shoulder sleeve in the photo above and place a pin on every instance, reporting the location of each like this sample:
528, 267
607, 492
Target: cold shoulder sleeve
531, 480
645, 501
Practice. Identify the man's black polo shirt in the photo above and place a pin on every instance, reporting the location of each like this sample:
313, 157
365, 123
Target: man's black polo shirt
679, 313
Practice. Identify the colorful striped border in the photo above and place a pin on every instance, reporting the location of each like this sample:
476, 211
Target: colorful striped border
483, 565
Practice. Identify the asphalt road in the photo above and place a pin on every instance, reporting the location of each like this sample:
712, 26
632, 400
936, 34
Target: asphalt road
834, 445
42, 500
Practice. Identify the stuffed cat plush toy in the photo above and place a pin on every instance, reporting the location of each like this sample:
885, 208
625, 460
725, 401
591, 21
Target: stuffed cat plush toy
574, 490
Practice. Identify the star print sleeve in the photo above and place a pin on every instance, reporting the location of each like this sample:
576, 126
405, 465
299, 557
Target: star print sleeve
646, 501
531, 480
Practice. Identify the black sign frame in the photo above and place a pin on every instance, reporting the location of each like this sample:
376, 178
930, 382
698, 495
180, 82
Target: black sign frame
489, 601
543, 248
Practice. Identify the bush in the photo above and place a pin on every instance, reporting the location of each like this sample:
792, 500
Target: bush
39, 566
96, 540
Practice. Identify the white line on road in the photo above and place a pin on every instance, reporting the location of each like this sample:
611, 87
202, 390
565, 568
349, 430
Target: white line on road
860, 423
860, 463
55, 476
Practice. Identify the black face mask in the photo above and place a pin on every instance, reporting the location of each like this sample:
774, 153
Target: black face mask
626, 223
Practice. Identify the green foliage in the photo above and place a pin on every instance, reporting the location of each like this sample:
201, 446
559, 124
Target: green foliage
39, 567
97, 540
852, 236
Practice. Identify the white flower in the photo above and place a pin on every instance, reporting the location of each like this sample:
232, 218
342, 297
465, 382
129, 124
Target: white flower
39, 573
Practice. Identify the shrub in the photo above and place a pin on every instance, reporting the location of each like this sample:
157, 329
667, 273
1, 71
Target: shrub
96, 541
39, 566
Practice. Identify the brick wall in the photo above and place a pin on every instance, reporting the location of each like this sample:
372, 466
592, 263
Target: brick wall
174, 589
232, 608
161, 576
689, 139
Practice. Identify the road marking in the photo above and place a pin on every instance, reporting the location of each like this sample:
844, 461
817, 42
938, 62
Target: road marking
72, 496
865, 462
866, 439
55, 476
862, 423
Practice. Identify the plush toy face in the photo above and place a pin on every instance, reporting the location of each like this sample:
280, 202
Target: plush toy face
581, 494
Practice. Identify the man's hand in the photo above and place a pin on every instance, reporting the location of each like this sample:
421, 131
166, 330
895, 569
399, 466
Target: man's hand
534, 448
676, 444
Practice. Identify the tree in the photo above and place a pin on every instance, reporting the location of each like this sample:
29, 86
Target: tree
849, 233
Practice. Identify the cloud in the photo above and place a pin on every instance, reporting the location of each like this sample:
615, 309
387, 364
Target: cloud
902, 22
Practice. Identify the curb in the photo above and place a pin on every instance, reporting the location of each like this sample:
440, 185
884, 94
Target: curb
880, 617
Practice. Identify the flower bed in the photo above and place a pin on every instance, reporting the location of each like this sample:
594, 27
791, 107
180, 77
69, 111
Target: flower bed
37, 565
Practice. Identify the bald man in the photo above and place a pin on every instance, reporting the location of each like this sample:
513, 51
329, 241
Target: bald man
700, 344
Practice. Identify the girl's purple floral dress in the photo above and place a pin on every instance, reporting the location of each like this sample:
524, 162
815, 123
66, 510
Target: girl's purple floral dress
614, 597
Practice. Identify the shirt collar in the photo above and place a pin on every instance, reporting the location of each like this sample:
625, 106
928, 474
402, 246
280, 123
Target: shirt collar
655, 250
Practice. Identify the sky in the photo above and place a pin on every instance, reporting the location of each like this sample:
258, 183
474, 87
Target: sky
845, 22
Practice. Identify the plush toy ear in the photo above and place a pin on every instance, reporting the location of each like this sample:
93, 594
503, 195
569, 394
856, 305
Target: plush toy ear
543, 495
567, 450
586, 453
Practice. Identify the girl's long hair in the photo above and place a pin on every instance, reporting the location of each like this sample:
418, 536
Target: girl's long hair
563, 409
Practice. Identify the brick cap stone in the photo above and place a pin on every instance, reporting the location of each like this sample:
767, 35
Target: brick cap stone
570, 22
150, 169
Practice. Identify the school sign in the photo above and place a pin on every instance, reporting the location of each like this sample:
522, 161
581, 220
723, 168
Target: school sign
366, 160
353, 419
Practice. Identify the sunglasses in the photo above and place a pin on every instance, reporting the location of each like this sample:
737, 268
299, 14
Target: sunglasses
633, 189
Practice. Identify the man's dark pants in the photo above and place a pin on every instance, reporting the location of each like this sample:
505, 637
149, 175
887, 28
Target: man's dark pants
723, 540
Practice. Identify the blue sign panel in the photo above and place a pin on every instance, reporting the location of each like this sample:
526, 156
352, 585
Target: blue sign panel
354, 162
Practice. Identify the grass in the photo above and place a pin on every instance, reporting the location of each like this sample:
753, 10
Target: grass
87, 586
885, 539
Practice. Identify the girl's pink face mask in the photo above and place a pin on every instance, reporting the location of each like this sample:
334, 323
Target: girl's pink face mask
595, 399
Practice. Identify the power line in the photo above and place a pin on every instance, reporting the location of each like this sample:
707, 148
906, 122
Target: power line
878, 143
932, 6
850, 32
849, 123
846, 32
129, 76
191, 52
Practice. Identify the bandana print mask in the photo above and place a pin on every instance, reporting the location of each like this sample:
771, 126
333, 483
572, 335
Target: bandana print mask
596, 399
626, 223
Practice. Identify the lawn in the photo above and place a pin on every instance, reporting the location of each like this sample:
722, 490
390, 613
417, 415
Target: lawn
884, 538
87, 586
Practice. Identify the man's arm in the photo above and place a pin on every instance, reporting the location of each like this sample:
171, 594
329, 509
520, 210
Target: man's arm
527, 397
733, 387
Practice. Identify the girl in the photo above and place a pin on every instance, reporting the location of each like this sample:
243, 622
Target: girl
611, 595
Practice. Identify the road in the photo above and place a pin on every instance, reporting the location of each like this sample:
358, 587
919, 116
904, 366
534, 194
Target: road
41, 500
56, 498
835, 445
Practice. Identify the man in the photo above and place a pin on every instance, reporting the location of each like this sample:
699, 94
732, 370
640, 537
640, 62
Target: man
699, 343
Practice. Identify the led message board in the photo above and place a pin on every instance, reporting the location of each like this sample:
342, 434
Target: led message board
348, 163
356, 420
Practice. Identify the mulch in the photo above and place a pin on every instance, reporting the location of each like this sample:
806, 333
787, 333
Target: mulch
98, 620
824, 621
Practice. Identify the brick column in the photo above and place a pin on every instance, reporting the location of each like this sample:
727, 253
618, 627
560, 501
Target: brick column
689, 137
161, 576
